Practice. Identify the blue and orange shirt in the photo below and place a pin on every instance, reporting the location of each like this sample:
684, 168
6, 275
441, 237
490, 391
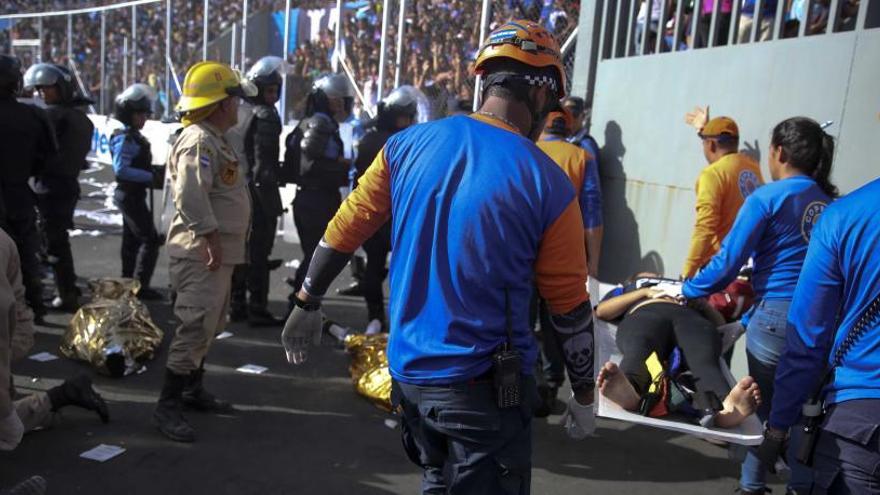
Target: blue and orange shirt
839, 281
773, 227
581, 169
479, 215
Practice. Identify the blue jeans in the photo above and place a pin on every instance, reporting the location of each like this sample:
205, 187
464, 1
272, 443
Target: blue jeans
463, 441
765, 341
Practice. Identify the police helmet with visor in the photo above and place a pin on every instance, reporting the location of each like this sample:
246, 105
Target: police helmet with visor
45, 75
137, 98
330, 86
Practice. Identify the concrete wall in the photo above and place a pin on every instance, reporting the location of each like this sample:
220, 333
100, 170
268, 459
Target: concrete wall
651, 159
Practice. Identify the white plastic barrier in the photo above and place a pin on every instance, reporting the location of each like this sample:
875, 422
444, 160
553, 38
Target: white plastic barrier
748, 433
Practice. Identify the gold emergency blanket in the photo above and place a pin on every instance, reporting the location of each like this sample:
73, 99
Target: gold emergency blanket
114, 332
369, 367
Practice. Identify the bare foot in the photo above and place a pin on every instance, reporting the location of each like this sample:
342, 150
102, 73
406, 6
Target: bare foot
740, 403
614, 385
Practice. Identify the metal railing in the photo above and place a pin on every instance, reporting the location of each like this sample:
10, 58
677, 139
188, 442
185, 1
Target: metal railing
644, 27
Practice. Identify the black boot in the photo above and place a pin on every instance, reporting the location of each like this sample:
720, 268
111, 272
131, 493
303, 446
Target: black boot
149, 294
35, 485
168, 416
196, 397
78, 392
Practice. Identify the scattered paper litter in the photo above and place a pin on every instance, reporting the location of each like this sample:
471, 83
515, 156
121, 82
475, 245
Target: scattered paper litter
390, 423
224, 335
293, 264
102, 452
43, 357
252, 369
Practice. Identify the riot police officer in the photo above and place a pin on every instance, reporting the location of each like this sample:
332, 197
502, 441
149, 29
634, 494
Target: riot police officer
58, 186
396, 112
322, 168
256, 141
132, 164
27, 142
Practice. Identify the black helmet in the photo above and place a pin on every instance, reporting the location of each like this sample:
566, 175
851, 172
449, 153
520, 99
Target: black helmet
10, 74
267, 71
405, 100
44, 74
136, 98
329, 86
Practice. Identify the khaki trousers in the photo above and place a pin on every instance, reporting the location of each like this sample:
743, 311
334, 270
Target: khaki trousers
201, 306
745, 29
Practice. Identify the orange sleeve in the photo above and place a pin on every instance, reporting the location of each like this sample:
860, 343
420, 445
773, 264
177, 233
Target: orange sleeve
364, 210
708, 208
561, 267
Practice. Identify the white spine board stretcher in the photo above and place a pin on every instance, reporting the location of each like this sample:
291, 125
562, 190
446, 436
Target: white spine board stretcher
748, 433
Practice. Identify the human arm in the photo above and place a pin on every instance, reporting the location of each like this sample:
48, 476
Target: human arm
613, 308
812, 323
708, 218
737, 247
11, 428
193, 179
593, 244
359, 217
590, 199
266, 129
124, 150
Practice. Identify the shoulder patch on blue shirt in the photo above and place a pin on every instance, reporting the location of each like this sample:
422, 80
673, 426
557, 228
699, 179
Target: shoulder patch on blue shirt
811, 216
748, 181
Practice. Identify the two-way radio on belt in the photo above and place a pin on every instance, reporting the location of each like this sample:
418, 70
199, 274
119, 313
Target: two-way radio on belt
814, 409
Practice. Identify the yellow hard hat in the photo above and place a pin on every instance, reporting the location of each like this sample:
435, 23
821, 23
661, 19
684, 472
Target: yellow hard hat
526, 42
207, 83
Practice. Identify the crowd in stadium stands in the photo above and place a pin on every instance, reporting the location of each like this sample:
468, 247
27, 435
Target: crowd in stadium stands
441, 40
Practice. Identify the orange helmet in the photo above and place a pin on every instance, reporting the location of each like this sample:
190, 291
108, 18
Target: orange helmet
526, 42
559, 121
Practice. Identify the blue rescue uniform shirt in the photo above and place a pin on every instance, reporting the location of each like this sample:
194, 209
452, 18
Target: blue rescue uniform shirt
590, 197
465, 230
840, 279
773, 227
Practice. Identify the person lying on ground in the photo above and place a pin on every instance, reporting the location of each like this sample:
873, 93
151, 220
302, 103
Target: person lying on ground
651, 320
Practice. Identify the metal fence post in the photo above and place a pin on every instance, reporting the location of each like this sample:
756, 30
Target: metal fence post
382, 54
134, 38
401, 24
103, 62
233, 43
167, 58
206, 9
124, 60
40, 35
337, 36
284, 51
484, 27
244, 16
69, 37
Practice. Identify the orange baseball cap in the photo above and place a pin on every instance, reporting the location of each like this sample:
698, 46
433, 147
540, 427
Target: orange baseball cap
720, 126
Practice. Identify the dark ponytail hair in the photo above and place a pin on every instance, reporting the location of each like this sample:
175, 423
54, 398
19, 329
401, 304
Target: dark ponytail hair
808, 148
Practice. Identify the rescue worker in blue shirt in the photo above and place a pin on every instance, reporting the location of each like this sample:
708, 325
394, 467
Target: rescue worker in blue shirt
773, 227
256, 141
834, 323
133, 166
58, 187
478, 215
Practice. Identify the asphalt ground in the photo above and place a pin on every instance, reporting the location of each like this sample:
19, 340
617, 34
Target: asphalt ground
298, 430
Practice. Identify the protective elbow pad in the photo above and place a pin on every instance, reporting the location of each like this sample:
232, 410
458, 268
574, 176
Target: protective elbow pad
574, 332
324, 268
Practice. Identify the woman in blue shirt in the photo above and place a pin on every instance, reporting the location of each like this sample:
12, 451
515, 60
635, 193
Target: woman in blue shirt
773, 227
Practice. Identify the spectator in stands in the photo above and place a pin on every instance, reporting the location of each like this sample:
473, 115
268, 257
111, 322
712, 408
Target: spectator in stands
722, 27
721, 188
747, 21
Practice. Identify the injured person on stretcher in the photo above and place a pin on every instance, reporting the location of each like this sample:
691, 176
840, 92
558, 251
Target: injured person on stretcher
656, 328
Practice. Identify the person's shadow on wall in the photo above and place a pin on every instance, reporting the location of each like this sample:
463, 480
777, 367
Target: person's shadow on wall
621, 248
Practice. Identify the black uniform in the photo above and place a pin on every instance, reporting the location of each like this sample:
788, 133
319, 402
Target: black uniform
27, 143
132, 164
322, 172
378, 246
58, 192
261, 149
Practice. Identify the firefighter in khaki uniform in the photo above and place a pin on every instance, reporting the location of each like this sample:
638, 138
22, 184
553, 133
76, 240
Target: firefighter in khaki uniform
206, 238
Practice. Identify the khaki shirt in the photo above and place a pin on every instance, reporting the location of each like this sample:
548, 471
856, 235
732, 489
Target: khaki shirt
16, 319
210, 194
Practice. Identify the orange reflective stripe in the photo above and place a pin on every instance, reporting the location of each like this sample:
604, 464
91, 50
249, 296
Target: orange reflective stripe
366, 209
